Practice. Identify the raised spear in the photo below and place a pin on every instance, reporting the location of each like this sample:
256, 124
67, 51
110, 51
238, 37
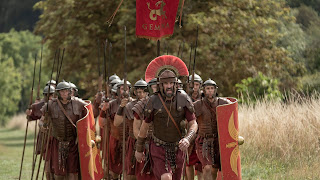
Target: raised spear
46, 134
125, 96
29, 107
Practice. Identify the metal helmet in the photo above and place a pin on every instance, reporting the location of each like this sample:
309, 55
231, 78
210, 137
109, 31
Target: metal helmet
122, 83
152, 82
63, 85
210, 82
140, 84
51, 82
114, 88
180, 84
114, 81
113, 77
73, 86
167, 76
197, 78
46, 89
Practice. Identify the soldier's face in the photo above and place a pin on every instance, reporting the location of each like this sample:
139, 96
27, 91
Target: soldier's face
196, 86
210, 91
140, 93
168, 88
154, 88
64, 94
122, 90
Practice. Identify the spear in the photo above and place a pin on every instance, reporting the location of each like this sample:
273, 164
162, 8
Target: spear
105, 150
29, 107
60, 64
100, 76
188, 80
125, 96
35, 126
194, 59
46, 134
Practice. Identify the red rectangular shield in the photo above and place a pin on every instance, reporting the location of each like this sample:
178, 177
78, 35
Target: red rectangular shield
89, 154
228, 130
155, 19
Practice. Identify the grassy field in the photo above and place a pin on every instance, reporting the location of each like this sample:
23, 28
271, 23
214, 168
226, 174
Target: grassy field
282, 141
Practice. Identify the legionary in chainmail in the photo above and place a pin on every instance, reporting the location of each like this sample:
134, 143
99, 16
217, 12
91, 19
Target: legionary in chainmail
207, 143
125, 109
194, 163
62, 113
100, 96
108, 112
165, 110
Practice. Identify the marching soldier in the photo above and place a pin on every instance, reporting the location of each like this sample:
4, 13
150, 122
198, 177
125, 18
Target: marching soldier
62, 114
139, 92
165, 110
194, 162
74, 90
108, 112
207, 143
35, 114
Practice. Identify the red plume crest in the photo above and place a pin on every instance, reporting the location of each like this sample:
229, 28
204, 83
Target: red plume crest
161, 63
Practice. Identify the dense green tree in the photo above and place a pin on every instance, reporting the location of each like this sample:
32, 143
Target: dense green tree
237, 39
10, 88
21, 48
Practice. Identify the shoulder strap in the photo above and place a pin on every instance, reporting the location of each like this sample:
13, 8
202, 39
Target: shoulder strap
165, 107
65, 113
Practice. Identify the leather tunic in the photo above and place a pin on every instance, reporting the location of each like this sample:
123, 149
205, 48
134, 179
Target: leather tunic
62, 129
207, 120
163, 127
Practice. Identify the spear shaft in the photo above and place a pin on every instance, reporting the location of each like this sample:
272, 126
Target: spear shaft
29, 107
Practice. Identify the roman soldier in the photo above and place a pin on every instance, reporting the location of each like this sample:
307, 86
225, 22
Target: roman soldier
61, 114
195, 92
207, 142
152, 86
74, 90
139, 91
166, 109
108, 113
194, 163
35, 114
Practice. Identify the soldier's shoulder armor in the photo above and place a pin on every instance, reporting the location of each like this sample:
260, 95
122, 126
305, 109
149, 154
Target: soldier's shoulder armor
77, 105
153, 102
222, 101
197, 107
184, 101
139, 107
128, 109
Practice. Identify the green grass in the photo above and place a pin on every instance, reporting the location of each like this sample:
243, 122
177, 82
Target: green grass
11, 146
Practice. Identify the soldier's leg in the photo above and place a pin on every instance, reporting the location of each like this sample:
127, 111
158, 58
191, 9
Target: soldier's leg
190, 172
214, 173
166, 176
199, 175
207, 172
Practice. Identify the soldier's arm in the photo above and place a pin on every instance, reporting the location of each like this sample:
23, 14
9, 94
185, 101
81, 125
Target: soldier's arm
136, 125
118, 118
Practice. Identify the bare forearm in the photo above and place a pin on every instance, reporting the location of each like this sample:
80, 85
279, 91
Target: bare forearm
144, 130
193, 125
136, 127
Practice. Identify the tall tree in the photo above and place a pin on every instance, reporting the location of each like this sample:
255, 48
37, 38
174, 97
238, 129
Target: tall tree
237, 39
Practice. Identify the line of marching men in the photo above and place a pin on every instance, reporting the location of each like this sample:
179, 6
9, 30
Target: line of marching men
64, 108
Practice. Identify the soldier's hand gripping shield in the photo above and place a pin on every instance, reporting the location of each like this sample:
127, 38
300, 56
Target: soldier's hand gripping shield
228, 130
89, 154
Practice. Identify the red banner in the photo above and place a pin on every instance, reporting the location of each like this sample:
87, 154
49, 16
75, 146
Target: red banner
155, 19
228, 130
89, 154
